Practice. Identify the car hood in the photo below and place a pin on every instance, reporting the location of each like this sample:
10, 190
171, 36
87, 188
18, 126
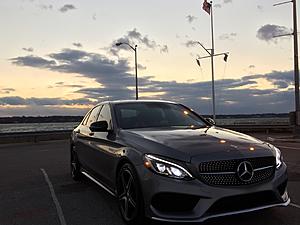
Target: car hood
204, 144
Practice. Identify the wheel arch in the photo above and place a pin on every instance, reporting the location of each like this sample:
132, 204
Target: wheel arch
121, 162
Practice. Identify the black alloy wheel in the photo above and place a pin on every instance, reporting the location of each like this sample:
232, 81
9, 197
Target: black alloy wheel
75, 166
129, 195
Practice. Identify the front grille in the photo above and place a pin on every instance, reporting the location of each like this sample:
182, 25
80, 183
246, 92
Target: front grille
224, 172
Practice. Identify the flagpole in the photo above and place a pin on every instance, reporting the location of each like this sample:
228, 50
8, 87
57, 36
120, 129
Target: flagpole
212, 61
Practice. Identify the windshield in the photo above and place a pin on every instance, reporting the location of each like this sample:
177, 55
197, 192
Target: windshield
156, 114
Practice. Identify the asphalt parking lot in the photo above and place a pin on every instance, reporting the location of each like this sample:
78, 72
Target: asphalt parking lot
36, 189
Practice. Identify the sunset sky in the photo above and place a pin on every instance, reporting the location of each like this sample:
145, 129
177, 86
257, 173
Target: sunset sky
58, 57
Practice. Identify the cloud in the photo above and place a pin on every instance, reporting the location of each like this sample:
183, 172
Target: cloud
190, 43
38, 110
64, 85
230, 93
7, 90
228, 36
117, 82
134, 37
92, 65
191, 18
78, 45
281, 80
19, 101
164, 49
141, 67
66, 8
32, 61
220, 5
260, 8
281, 84
45, 7
14, 100
269, 31
28, 49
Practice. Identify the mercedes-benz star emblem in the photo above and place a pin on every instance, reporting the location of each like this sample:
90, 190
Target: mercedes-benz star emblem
245, 171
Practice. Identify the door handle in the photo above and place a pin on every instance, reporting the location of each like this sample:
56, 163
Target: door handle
91, 134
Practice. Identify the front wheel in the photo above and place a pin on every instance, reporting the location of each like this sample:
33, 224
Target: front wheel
75, 166
129, 196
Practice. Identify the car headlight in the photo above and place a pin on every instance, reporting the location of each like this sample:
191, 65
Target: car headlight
278, 157
166, 168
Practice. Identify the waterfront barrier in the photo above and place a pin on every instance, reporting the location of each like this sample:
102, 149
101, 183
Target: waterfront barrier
33, 137
10, 138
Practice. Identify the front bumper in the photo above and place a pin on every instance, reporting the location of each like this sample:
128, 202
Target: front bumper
197, 202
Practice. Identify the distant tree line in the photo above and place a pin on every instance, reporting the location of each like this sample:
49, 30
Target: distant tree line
249, 116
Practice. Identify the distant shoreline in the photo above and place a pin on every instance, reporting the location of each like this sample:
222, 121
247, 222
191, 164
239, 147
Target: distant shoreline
39, 119
64, 119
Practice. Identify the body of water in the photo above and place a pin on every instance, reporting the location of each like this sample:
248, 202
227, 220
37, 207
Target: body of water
35, 127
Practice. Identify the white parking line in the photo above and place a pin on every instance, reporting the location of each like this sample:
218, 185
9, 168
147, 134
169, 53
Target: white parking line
295, 205
55, 200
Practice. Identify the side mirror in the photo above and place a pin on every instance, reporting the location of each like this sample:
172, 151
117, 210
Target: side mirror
99, 126
211, 121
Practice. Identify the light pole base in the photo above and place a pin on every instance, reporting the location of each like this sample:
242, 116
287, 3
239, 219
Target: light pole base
295, 122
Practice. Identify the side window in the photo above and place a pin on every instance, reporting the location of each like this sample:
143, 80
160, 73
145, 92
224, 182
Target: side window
85, 120
105, 115
93, 115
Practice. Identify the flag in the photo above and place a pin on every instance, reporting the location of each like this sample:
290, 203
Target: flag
206, 6
198, 62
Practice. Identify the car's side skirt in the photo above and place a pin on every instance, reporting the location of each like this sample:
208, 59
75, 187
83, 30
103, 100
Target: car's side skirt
85, 173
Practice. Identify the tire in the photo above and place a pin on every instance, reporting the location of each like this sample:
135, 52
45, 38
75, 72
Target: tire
129, 196
75, 165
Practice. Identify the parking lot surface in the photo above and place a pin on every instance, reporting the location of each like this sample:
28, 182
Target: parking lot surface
36, 189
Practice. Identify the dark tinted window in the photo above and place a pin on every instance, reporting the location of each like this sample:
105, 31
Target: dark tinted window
156, 114
93, 115
105, 115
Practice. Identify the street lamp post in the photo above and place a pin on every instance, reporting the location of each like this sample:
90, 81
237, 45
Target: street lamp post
296, 64
136, 66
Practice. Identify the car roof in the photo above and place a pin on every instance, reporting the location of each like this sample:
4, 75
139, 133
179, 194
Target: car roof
136, 101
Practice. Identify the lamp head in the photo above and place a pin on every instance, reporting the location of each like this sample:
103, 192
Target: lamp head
225, 57
119, 43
